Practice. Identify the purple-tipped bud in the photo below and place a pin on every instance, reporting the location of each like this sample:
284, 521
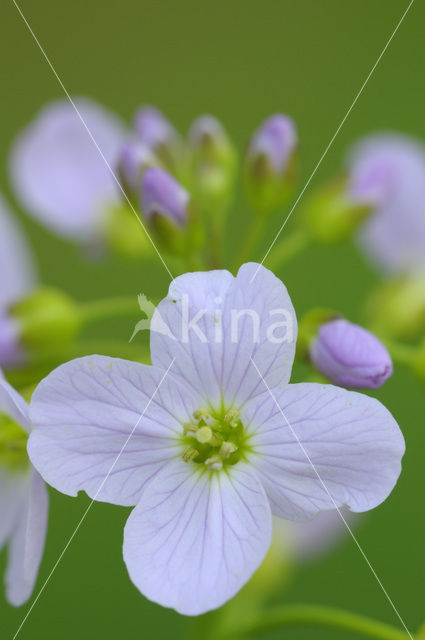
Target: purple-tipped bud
207, 130
350, 356
153, 129
271, 164
135, 157
276, 139
162, 195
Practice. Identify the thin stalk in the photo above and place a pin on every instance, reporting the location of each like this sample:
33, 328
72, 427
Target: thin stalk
311, 615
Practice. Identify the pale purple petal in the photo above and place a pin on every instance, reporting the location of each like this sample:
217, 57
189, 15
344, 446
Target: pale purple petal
13, 405
14, 487
351, 439
239, 318
195, 539
17, 268
388, 170
59, 174
27, 543
83, 414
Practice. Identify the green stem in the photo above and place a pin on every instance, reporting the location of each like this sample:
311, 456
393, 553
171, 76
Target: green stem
311, 615
254, 236
287, 248
109, 308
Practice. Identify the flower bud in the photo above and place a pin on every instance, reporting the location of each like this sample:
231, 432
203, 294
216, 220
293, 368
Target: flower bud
158, 134
46, 318
270, 166
332, 214
135, 158
397, 307
213, 164
162, 195
350, 356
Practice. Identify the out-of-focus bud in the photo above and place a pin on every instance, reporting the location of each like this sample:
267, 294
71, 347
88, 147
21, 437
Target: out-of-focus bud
332, 214
135, 158
165, 205
350, 356
397, 308
46, 318
214, 163
124, 233
271, 164
158, 134
162, 195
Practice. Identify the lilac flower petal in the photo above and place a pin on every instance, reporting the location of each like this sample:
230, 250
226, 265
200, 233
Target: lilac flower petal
83, 414
27, 543
13, 405
59, 174
220, 366
389, 171
17, 268
14, 488
352, 440
194, 539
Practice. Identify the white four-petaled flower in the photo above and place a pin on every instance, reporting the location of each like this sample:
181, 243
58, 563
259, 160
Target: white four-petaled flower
214, 453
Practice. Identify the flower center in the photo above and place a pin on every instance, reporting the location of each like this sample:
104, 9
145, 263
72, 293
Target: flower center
214, 439
13, 444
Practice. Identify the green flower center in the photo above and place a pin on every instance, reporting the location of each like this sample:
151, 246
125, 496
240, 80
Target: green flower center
214, 439
13, 444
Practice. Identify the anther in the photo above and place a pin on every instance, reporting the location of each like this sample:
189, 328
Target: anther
226, 449
189, 428
214, 464
189, 454
232, 418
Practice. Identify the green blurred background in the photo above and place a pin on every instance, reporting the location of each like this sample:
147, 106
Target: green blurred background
240, 60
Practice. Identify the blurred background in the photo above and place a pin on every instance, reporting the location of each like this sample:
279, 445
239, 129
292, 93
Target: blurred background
240, 61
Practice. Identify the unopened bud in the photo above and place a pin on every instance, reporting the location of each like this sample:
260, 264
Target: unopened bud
135, 158
213, 164
158, 134
270, 166
350, 356
46, 318
331, 214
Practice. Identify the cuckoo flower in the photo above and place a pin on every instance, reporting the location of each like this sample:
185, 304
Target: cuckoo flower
17, 278
211, 439
388, 170
58, 173
23, 498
